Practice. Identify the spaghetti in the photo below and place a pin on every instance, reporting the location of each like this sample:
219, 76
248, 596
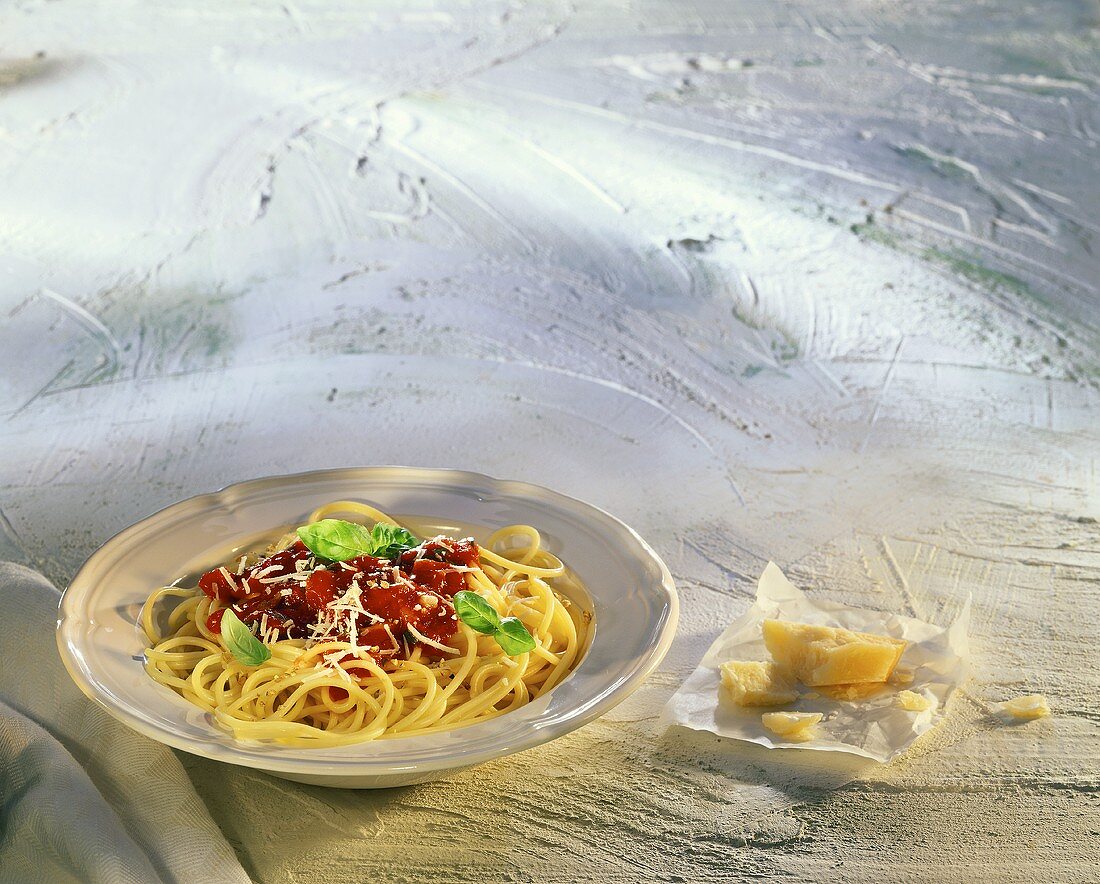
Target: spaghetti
369, 646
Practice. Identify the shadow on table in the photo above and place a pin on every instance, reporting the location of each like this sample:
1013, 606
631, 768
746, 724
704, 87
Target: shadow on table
276, 825
800, 775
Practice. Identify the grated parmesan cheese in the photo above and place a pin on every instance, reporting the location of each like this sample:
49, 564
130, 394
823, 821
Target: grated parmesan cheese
423, 639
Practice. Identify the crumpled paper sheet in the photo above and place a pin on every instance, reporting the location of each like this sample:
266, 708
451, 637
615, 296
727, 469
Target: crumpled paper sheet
874, 727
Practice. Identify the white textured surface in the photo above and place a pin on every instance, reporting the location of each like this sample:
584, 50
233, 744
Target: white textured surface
803, 281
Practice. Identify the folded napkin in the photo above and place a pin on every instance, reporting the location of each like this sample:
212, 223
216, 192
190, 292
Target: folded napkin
83, 798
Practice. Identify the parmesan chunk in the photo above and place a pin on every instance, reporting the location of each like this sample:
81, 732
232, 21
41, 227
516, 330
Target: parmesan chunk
1028, 707
826, 655
753, 683
911, 701
795, 726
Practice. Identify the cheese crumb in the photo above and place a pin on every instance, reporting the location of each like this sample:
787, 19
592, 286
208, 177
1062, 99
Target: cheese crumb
851, 692
827, 655
911, 701
795, 726
1028, 707
754, 683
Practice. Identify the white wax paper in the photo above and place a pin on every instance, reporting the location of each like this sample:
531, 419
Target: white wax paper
875, 727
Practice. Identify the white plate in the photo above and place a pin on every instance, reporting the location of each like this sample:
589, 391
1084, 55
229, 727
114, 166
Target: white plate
633, 601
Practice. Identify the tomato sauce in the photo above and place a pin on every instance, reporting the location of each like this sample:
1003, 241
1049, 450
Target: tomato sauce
414, 592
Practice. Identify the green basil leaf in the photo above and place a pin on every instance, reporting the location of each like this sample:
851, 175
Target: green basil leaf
241, 642
476, 613
336, 540
391, 540
513, 637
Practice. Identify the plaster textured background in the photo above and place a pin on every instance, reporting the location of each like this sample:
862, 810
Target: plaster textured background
792, 280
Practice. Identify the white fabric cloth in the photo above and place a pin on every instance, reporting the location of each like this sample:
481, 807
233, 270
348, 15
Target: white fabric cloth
83, 798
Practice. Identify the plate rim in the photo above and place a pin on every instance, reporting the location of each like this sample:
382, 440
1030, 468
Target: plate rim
227, 751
